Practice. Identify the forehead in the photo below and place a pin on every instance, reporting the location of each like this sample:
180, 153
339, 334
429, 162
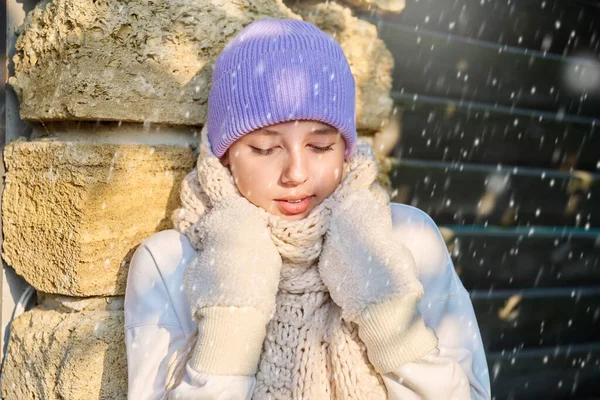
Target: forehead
308, 127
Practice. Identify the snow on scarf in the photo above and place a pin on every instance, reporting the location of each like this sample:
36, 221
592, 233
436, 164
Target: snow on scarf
309, 352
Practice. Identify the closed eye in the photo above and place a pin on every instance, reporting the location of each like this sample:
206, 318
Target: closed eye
261, 151
322, 149
266, 152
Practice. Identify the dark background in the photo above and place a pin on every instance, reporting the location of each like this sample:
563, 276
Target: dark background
500, 106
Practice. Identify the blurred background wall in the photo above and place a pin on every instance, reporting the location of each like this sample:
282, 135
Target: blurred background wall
500, 145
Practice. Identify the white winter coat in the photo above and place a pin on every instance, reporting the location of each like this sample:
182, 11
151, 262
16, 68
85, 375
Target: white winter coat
158, 319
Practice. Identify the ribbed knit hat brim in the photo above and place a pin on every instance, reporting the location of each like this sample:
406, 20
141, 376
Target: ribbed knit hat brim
278, 70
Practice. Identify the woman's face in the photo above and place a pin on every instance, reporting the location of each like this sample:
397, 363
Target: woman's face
295, 159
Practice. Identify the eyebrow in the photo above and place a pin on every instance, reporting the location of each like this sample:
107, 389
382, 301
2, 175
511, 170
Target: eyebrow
321, 131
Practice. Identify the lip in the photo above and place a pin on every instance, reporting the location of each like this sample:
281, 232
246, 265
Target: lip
291, 208
297, 197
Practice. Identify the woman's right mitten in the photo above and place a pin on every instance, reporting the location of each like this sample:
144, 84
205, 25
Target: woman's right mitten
231, 284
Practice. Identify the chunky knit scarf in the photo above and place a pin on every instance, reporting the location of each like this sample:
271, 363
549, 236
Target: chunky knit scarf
309, 352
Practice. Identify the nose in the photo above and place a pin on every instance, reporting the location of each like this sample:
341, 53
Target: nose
294, 171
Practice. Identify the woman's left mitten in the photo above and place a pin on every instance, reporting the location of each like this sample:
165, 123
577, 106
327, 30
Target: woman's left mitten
374, 281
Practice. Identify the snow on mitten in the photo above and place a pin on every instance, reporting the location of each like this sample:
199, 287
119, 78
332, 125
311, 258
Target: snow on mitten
374, 281
232, 283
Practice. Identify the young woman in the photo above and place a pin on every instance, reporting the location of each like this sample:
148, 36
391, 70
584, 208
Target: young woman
289, 274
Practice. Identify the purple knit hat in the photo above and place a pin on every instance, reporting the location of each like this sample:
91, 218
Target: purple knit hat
278, 70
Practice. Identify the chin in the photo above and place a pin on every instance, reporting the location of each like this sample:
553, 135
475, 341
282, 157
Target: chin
295, 217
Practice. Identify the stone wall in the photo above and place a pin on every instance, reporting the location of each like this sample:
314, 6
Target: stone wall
116, 93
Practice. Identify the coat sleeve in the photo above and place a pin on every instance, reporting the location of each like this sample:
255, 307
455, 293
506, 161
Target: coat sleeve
153, 332
457, 368
435, 376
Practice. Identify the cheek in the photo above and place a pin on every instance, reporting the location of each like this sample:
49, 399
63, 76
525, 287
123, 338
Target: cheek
254, 180
329, 176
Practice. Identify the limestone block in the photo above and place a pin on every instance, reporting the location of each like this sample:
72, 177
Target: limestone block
69, 304
382, 6
67, 356
370, 60
127, 61
74, 212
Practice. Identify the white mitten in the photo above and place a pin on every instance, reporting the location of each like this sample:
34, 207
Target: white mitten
232, 283
374, 281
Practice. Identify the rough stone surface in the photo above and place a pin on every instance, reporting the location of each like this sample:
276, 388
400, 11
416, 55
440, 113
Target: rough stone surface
74, 212
117, 133
383, 6
79, 198
83, 356
69, 304
370, 60
137, 61
129, 61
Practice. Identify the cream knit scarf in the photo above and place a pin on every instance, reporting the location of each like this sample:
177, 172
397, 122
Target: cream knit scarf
309, 351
